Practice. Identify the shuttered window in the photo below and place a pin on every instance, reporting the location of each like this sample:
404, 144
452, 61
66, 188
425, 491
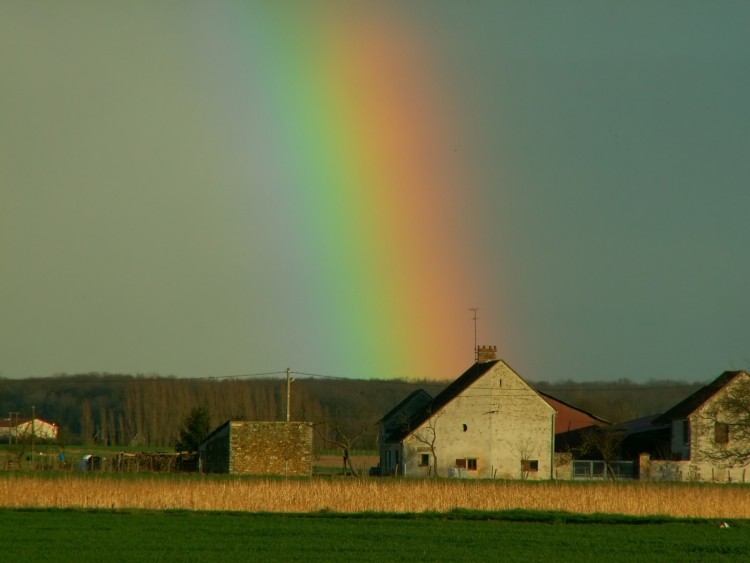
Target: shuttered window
721, 433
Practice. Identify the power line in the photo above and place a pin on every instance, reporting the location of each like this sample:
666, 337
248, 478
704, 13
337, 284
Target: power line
260, 374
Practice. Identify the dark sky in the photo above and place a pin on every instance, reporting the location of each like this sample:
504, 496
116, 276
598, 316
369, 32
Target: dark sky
581, 177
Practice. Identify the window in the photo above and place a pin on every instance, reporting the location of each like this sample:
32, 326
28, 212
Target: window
721, 433
424, 460
465, 428
469, 464
686, 432
530, 465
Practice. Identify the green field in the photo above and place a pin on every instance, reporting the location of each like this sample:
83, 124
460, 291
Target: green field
67, 535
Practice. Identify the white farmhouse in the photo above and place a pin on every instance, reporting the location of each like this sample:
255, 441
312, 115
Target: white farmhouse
488, 423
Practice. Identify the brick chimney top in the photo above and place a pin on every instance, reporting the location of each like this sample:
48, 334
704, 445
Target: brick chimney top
486, 354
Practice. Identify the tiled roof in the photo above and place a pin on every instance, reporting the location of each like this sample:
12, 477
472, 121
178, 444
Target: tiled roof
405, 402
570, 417
694, 401
399, 420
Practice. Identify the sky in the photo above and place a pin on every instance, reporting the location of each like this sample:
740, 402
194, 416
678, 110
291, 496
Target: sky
209, 189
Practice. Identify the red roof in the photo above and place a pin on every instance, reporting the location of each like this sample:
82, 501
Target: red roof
569, 417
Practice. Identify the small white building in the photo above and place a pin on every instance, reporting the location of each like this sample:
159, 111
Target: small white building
488, 423
21, 429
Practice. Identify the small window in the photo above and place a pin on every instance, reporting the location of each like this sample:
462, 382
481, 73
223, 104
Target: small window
721, 433
461, 463
424, 460
471, 464
530, 465
686, 432
464, 427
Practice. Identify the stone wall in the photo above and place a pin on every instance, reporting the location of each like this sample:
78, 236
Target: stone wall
271, 448
563, 463
666, 470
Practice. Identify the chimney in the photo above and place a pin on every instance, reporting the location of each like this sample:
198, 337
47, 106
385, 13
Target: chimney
486, 354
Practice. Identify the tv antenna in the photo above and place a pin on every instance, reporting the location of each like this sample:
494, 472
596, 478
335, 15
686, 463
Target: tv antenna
475, 309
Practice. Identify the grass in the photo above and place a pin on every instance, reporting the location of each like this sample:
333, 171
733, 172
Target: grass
167, 517
350, 495
74, 535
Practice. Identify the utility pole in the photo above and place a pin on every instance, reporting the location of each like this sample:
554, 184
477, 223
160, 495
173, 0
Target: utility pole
33, 418
476, 353
288, 391
12, 429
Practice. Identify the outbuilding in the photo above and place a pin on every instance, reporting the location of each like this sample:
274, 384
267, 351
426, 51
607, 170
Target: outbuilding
259, 448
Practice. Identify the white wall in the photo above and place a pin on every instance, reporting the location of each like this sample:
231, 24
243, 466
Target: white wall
41, 429
497, 421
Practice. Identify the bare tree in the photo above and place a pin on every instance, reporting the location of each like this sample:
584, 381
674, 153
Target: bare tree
524, 449
726, 425
605, 441
427, 435
334, 433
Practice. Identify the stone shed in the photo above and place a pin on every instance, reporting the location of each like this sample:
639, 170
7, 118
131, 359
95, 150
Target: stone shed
259, 448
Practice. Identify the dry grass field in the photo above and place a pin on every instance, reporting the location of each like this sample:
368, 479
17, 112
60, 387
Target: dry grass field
379, 495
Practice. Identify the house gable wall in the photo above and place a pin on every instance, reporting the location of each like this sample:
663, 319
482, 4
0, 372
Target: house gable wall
694, 441
498, 421
703, 435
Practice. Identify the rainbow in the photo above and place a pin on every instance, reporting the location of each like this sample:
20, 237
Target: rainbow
373, 182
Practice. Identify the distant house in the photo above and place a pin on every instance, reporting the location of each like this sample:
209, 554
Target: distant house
259, 448
487, 423
21, 429
702, 432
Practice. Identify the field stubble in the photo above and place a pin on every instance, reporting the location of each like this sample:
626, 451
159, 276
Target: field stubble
350, 495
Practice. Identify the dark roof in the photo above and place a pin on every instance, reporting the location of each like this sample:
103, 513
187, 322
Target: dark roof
399, 419
640, 425
445, 396
404, 403
689, 405
215, 430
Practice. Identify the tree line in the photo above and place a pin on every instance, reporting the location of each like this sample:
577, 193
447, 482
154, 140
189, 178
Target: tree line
139, 410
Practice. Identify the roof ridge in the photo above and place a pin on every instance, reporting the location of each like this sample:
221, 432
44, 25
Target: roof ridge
695, 400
